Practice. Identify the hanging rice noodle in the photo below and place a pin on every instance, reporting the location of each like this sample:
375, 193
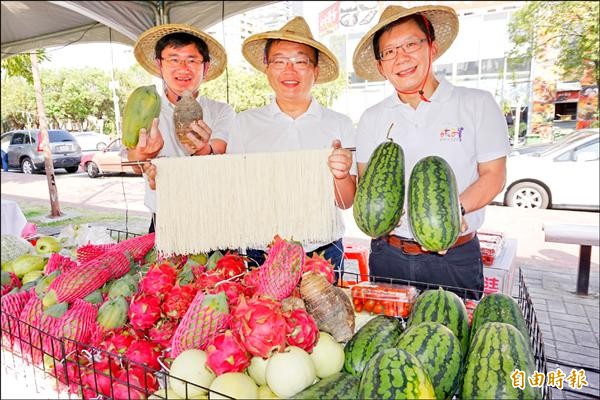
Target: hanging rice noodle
243, 200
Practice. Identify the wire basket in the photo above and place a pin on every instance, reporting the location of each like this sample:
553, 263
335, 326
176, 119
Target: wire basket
63, 368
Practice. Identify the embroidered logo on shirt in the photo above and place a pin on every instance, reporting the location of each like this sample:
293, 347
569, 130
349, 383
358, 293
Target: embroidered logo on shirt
451, 135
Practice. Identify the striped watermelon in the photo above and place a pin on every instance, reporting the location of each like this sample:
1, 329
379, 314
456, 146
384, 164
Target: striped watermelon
498, 307
439, 352
379, 198
337, 386
497, 350
378, 334
445, 308
395, 374
433, 206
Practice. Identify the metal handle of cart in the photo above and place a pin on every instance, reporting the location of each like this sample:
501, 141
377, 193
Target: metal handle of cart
29, 340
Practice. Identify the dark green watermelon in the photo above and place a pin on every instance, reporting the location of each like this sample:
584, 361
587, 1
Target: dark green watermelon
433, 205
439, 352
379, 197
445, 307
395, 374
498, 307
337, 386
379, 333
498, 350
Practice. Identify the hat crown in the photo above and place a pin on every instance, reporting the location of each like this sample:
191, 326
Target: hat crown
299, 27
392, 10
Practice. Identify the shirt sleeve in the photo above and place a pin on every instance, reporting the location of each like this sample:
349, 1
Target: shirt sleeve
492, 132
223, 124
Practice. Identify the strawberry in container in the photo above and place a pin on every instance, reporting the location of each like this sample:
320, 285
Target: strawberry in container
388, 299
491, 243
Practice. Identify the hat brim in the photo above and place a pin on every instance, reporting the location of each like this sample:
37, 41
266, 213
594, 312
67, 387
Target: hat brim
253, 50
144, 49
445, 25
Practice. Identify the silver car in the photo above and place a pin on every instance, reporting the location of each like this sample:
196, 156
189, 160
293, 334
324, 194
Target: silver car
25, 153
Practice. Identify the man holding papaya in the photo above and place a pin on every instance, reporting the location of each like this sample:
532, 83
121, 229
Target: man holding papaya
183, 57
430, 117
294, 62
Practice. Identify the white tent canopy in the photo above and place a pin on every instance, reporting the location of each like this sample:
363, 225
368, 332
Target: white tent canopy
29, 25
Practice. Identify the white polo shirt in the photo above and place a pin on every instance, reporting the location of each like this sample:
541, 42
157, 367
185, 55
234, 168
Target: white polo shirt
218, 116
463, 126
268, 129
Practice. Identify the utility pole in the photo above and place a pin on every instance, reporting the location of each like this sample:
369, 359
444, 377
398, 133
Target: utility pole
44, 141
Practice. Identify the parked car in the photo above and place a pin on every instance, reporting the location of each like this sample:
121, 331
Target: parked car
106, 161
25, 152
90, 141
539, 147
564, 175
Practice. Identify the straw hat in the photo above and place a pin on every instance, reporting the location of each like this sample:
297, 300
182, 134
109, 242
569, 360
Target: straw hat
445, 26
297, 31
144, 49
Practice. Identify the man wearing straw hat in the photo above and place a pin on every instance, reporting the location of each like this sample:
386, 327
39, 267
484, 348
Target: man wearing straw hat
293, 62
431, 117
183, 57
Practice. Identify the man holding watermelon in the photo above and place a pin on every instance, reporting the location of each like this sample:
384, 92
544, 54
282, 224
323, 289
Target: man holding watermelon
431, 117
294, 62
183, 57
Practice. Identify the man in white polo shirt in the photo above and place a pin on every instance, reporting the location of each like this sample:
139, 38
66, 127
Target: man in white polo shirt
293, 62
431, 117
183, 57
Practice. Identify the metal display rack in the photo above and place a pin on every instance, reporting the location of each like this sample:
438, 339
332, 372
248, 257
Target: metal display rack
50, 365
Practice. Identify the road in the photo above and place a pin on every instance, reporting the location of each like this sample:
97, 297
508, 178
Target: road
121, 192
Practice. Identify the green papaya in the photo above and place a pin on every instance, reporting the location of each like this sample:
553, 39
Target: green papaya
143, 105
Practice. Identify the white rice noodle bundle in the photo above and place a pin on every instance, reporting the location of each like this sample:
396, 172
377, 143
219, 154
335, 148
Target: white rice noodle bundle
242, 201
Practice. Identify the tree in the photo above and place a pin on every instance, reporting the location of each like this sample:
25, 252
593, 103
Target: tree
570, 27
20, 64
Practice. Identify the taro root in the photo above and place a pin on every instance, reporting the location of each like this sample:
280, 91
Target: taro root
292, 303
187, 110
328, 305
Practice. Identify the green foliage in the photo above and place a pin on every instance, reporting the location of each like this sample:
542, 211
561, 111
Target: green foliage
70, 95
568, 27
20, 65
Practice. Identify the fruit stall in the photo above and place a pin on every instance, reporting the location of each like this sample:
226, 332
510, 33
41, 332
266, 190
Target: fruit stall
112, 319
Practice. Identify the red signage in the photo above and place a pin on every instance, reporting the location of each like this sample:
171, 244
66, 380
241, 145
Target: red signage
329, 19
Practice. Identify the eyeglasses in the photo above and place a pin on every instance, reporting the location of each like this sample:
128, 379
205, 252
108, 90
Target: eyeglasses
174, 62
298, 63
408, 47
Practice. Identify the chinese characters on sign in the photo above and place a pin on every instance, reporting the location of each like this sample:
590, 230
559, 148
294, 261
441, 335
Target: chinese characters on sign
576, 379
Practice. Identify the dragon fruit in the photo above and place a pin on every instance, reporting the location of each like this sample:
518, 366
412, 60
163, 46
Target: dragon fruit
144, 311
250, 281
206, 316
134, 383
162, 332
233, 290
230, 265
302, 330
282, 270
117, 341
178, 300
225, 353
260, 325
145, 353
319, 265
159, 280
207, 280
9, 281
97, 377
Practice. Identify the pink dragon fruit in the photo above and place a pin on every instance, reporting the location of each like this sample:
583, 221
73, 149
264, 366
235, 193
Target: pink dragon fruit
178, 300
97, 377
144, 311
233, 290
206, 316
319, 265
250, 281
302, 330
9, 281
145, 353
134, 383
117, 341
260, 325
282, 270
230, 265
162, 332
225, 353
159, 280
207, 280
